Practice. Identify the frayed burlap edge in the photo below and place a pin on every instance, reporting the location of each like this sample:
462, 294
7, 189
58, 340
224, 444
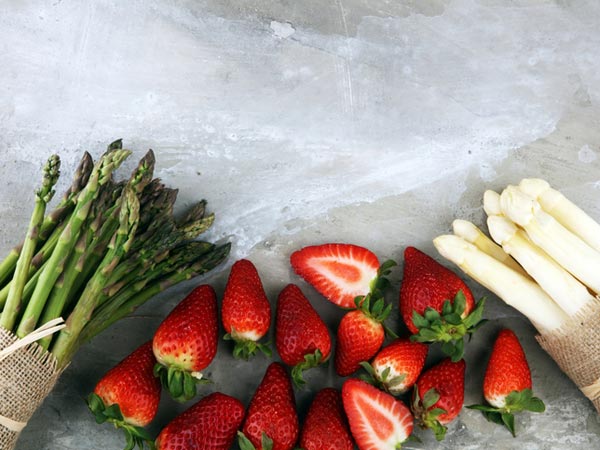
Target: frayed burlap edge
575, 347
26, 378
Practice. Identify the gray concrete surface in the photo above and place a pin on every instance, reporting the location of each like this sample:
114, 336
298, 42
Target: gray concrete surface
302, 122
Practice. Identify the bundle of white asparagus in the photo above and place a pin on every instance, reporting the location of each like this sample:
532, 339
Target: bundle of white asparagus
545, 262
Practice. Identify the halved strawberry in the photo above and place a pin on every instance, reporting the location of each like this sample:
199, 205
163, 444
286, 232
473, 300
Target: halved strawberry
340, 272
377, 420
507, 383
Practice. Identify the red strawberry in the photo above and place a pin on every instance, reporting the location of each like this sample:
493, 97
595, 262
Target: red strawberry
377, 420
325, 427
186, 342
436, 305
397, 366
359, 337
245, 312
438, 396
301, 336
128, 395
507, 383
210, 424
340, 272
271, 422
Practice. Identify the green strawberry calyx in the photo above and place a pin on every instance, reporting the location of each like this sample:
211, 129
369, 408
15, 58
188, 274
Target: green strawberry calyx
180, 383
426, 415
449, 326
266, 442
383, 380
516, 401
135, 435
246, 348
310, 360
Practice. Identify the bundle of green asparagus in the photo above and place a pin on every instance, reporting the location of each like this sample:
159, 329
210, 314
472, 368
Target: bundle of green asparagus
106, 248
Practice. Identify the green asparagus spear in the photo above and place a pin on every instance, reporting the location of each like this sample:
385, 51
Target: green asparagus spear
66, 341
65, 287
42, 197
132, 296
101, 174
57, 216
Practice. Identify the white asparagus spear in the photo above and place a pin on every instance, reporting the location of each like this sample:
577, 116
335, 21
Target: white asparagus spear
491, 203
470, 233
559, 284
563, 210
568, 250
521, 293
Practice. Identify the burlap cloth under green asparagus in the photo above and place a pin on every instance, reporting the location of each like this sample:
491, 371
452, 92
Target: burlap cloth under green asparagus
26, 377
576, 349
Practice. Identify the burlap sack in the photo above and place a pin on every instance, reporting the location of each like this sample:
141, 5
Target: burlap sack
576, 349
26, 377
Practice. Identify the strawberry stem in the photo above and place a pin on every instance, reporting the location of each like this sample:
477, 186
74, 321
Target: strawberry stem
310, 360
448, 326
134, 435
426, 415
516, 401
246, 348
180, 383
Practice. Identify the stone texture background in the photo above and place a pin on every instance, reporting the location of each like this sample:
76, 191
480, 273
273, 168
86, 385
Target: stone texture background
302, 122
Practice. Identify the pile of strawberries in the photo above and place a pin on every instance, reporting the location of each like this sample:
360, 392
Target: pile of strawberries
435, 304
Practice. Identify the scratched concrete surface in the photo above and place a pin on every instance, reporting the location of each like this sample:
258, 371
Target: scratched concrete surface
302, 122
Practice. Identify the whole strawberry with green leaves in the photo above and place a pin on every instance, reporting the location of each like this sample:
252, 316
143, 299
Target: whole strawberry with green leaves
245, 310
210, 424
436, 305
301, 336
507, 383
438, 396
396, 366
185, 342
128, 395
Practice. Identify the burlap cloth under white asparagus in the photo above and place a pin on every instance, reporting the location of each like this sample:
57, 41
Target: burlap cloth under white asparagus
26, 377
576, 350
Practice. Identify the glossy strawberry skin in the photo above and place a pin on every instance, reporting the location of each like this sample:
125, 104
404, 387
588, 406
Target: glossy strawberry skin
405, 359
187, 338
507, 369
299, 329
359, 337
340, 272
326, 427
272, 411
245, 310
448, 379
377, 419
132, 385
210, 424
426, 283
